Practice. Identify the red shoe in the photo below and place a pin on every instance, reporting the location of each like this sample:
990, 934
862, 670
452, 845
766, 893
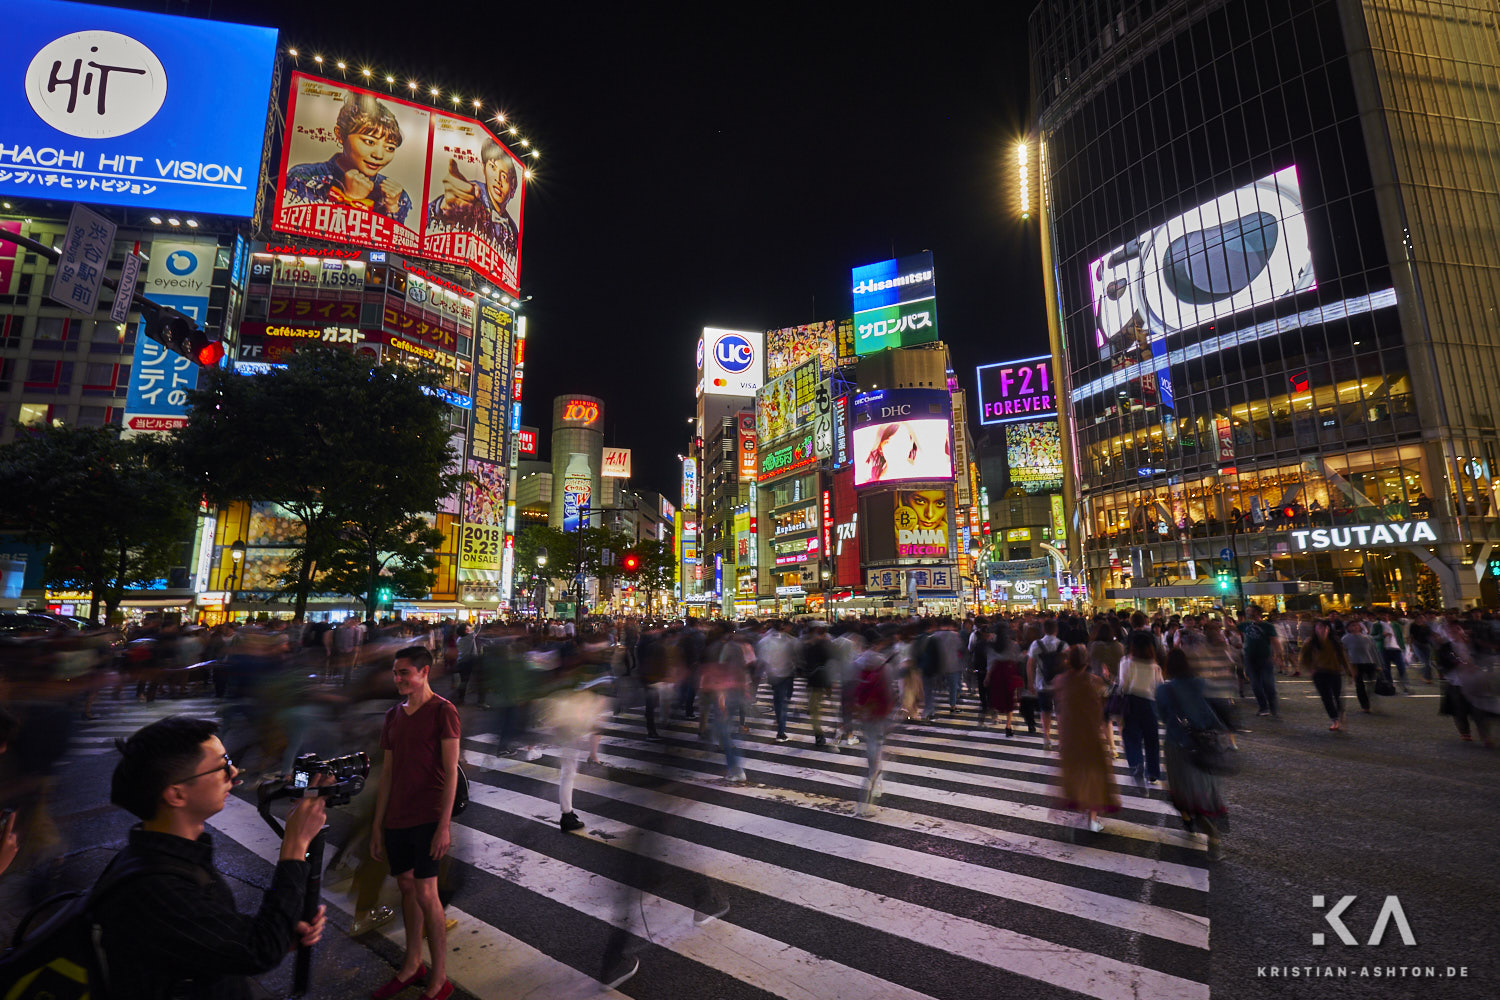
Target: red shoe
397, 984
443, 993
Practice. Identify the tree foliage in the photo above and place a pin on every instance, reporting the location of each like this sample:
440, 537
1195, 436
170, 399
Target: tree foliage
357, 455
115, 512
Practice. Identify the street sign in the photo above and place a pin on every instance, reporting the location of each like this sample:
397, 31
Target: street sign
165, 423
130, 270
85, 254
1226, 554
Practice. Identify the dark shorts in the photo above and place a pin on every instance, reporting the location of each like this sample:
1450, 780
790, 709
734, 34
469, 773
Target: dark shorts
409, 849
1044, 700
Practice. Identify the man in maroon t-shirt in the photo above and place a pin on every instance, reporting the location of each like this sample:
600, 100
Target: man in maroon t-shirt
412, 814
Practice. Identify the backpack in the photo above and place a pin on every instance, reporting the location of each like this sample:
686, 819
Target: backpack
872, 698
1046, 662
62, 957
928, 657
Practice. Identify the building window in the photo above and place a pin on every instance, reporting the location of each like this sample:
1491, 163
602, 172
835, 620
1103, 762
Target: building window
50, 332
33, 414
93, 416
99, 378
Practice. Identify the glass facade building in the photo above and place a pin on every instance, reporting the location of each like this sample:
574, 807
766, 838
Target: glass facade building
1271, 229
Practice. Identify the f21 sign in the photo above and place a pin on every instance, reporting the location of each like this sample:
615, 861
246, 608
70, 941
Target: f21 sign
1017, 390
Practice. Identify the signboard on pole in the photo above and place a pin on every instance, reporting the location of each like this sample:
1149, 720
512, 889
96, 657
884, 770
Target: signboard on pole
130, 270
85, 254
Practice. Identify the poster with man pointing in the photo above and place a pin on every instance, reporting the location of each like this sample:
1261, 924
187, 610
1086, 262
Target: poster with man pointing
474, 199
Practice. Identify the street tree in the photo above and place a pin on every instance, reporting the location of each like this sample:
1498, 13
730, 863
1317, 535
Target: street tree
356, 455
116, 513
658, 570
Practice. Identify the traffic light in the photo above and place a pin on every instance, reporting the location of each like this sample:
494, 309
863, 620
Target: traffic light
1495, 568
179, 333
384, 595
1226, 580
630, 562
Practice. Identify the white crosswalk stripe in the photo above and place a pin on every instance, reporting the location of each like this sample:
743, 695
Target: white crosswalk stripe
118, 720
966, 869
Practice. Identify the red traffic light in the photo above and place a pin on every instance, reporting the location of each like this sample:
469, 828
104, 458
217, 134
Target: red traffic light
1289, 512
211, 353
631, 562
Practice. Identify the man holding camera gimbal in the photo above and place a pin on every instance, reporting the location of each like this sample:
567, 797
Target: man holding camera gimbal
172, 929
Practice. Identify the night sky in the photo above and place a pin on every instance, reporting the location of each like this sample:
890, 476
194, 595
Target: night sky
719, 166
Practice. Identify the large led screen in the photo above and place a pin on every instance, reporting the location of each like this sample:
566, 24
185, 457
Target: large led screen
1243, 249
894, 304
362, 167
118, 107
1016, 390
902, 435
1033, 451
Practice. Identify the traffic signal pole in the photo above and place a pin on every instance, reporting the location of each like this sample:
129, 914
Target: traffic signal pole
158, 317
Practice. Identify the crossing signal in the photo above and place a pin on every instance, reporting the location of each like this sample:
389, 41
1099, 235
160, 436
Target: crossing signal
384, 595
630, 562
180, 334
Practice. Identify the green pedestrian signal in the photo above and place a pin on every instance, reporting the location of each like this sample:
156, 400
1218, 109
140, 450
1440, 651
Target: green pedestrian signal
384, 595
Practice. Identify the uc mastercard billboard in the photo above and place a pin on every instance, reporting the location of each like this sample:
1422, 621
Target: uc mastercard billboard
117, 107
733, 362
1242, 249
902, 435
362, 167
895, 304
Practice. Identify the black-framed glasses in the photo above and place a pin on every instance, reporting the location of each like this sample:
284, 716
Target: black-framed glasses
227, 767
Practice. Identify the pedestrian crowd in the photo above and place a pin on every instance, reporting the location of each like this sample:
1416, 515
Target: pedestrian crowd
1165, 692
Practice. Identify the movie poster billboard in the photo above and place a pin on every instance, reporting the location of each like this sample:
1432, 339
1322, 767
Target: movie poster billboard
363, 167
484, 517
789, 347
902, 435
353, 167
1033, 451
472, 209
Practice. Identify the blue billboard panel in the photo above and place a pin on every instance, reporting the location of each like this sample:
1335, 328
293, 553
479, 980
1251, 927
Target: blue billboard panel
891, 282
119, 107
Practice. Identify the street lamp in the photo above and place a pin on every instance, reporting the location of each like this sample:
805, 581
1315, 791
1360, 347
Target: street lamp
541, 562
237, 556
826, 574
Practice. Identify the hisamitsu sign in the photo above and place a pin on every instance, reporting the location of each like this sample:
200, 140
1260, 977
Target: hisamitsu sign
1362, 536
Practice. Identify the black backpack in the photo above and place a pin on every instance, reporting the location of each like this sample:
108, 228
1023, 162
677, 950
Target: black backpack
62, 956
1047, 661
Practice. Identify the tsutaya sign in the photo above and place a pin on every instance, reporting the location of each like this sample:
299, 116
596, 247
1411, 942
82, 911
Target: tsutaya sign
1359, 536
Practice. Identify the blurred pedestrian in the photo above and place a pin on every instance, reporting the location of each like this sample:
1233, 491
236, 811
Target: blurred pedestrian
1088, 783
1324, 657
1363, 654
1005, 675
1184, 713
1260, 647
1139, 678
874, 700
1044, 664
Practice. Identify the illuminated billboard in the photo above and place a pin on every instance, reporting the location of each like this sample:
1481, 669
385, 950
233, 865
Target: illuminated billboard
747, 445
117, 107
787, 404
616, 463
527, 438
1033, 452
373, 170
733, 362
1016, 390
791, 346
895, 304
1242, 249
921, 523
902, 435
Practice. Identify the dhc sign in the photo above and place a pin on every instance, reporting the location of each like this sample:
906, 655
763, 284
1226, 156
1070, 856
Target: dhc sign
1360, 536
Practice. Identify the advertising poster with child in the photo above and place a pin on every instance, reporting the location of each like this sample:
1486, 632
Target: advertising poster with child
353, 166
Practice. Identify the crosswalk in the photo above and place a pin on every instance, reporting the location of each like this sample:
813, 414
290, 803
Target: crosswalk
966, 881
120, 719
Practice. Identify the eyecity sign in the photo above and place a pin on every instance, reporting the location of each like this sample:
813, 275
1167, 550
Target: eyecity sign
1359, 536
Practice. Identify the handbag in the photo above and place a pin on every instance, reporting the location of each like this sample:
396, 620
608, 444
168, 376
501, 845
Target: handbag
1384, 688
1205, 749
1114, 702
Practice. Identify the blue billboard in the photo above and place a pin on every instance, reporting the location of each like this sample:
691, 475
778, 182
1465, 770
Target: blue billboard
891, 282
117, 107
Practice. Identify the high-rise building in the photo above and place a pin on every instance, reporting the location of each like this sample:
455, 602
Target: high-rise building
1269, 229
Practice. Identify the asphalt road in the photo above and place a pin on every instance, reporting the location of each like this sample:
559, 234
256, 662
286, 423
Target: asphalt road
1395, 807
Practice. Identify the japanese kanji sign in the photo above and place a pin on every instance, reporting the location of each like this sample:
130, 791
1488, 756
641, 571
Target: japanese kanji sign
85, 254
